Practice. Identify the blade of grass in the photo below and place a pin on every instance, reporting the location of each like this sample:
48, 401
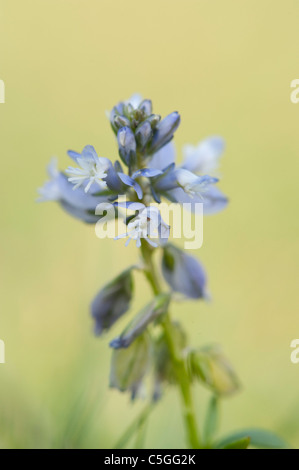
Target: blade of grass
137, 424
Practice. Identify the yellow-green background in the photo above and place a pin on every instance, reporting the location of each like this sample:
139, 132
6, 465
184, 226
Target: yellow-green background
226, 66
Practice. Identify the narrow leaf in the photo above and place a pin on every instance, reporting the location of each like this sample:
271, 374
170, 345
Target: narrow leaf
258, 438
240, 444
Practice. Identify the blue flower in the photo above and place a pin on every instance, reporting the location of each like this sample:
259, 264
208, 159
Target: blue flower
145, 147
138, 129
128, 181
163, 157
164, 131
131, 180
181, 185
144, 134
121, 108
147, 224
126, 145
183, 273
147, 172
77, 203
112, 301
93, 169
213, 200
204, 157
192, 184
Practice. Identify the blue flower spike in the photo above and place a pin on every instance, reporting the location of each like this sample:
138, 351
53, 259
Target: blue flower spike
152, 352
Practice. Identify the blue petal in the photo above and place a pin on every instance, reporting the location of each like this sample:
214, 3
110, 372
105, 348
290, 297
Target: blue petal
88, 153
183, 273
112, 301
126, 145
77, 203
132, 206
146, 106
143, 134
117, 343
213, 200
167, 181
211, 148
118, 167
207, 179
74, 155
126, 179
79, 213
77, 198
138, 325
164, 131
135, 100
164, 157
112, 179
155, 195
147, 172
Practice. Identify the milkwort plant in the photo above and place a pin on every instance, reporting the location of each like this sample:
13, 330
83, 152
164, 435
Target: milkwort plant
153, 346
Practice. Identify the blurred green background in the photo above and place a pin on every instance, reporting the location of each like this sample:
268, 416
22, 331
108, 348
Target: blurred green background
226, 66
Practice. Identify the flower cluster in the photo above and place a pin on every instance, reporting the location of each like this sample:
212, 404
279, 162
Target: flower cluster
146, 174
146, 150
152, 345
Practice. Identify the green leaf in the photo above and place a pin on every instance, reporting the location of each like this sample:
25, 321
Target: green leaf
211, 421
240, 444
258, 438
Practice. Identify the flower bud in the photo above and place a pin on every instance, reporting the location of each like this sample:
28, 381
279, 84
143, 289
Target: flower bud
112, 302
129, 366
211, 368
146, 107
77, 203
116, 111
154, 120
164, 131
126, 145
121, 121
143, 134
183, 272
138, 325
128, 110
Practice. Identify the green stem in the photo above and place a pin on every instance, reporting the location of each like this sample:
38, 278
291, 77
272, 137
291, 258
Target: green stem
177, 360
